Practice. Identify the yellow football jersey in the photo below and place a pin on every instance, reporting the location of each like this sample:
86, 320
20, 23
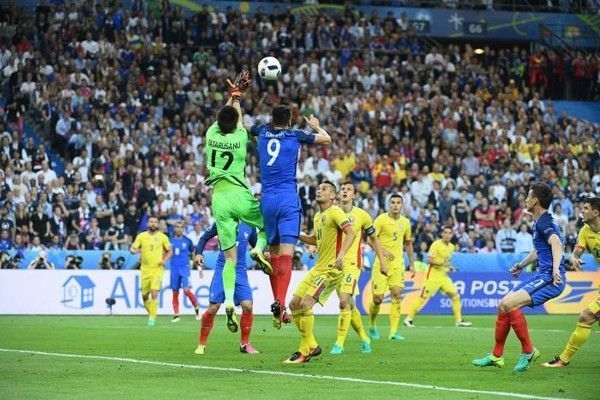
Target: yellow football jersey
393, 234
442, 253
590, 241
152, 247
328, 230
361, 222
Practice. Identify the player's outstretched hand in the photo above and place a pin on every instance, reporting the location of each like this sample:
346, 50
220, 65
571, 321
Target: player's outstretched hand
199, 260
312, 121
243, 81
557, 278
516, 270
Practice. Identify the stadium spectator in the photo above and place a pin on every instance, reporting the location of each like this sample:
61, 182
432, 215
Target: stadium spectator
123, 103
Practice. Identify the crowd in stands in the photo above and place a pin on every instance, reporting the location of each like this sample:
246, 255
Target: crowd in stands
124, 97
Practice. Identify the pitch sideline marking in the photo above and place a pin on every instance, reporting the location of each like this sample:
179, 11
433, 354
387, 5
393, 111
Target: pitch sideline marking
280, 373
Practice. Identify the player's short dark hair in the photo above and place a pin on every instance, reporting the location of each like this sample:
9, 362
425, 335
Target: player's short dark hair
447, 227
397, 196
281, 116
594, 202
150, 216
327, 182
543, 193
348, 183
227, 119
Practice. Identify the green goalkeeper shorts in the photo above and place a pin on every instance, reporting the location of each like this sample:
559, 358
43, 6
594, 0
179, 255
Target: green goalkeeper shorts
231, 206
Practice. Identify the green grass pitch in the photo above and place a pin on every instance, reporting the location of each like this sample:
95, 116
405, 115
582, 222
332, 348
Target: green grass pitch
159, 362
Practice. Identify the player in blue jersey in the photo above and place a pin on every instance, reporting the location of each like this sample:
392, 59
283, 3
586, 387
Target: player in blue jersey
278, 148
242, 295
180, 270
548, 283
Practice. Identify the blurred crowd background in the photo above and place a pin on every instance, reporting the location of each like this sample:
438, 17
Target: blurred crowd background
104, 109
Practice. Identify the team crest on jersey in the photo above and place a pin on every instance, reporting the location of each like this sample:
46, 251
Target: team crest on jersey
351, 219
323, 218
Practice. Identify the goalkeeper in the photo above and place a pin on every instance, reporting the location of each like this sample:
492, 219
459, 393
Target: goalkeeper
232, 201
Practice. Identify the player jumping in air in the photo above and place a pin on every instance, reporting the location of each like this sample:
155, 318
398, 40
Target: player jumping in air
330, 223
360, 221
180, 270
589, 238
440, 254
278, 148
548, 282
155, 250
394, 231
232, 200
242, 294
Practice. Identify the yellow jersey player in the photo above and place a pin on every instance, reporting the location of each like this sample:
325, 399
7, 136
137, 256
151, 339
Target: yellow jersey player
394, 231
330, 225
155, 250
437, 278
589, 238
361, 222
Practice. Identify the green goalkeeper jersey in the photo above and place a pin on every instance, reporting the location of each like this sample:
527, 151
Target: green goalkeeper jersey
226, 156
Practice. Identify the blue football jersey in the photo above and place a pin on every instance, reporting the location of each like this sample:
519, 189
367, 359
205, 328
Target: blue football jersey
278, 155
543, 228
182, 248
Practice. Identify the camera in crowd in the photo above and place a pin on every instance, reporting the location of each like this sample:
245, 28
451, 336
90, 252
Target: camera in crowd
8, 262
105, 262
73, 262
41, 262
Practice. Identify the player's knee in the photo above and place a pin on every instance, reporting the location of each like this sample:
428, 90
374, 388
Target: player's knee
504, 306
344, 304
306, 303
213, 308
587, 317
454, 296
295, 303
246, 306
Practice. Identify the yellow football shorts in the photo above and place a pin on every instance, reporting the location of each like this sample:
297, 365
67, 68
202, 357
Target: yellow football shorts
349, 281
152, 279
381, 283
319, 284
437, 281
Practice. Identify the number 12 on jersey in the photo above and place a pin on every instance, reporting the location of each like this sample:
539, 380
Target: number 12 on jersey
224, 154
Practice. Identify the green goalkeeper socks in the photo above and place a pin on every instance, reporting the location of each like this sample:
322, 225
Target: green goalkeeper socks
229, 281
261, 240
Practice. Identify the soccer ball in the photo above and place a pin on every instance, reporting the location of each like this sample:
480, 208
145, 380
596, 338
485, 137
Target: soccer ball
269, 68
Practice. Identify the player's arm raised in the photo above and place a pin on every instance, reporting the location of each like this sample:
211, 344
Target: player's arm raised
321, 135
